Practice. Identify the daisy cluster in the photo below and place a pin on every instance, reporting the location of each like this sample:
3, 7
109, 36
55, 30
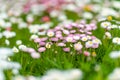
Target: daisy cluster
87, 9
21, 47
77, 25
109, 27
5, 27
77, 36
73, 74
5, 62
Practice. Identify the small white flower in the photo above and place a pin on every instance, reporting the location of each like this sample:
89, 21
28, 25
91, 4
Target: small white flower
105, 24
7, 42
62, 17
32, 78
22, 25
69, 39
116, 4
30, 18
97, 67
70, 7
18, 77
9, 34
108, 35
88, 44
76, 37
114, 26
54, 13
33, 37
88, 37
15, 50
108, 11
15, 71
48, 45
97, 41
74, 74
2, 77
78, 46
84, 38
18, 42
8, 24
66, 32
115, 54
35, 55
2, 23
13, 19
46, 25
3, 15
34, 28
118, 27
22, 47
50, 34
116, 40
6, 51
42, 33
87, 15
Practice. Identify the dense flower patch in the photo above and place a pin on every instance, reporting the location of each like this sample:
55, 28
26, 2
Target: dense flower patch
59, 39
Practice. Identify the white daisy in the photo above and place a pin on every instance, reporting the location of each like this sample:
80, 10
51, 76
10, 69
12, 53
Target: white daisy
105, 24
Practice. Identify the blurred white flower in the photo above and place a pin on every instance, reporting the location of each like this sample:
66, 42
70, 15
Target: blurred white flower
30, 18
2, 77
2, 23
87, 15
3, 15
74, 74
34, 28
6, 52
116, 40
50, 33
18, 42
54, 13
116, 4
62, 17
15, 50
9, 34
35, 55
18, 77
33, 37
114, 26
46, 25
70, 7
115, 54
35, 9
32, 78
8, 24
105, 24
108, 12
22, 25
108, 35
6, 64
13, 19
7, 42
115, 75
15, 71
22, 47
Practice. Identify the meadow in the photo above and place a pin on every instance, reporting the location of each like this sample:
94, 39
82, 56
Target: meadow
67, 40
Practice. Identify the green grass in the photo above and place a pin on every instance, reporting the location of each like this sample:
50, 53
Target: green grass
61, 60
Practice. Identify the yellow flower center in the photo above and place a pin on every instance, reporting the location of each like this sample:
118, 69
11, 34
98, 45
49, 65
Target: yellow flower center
109, 18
